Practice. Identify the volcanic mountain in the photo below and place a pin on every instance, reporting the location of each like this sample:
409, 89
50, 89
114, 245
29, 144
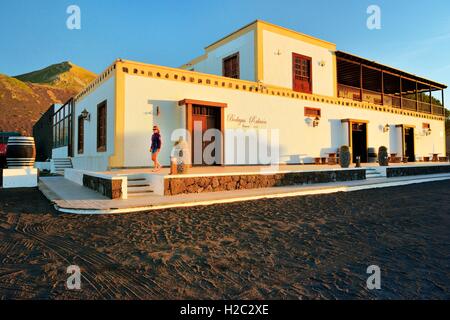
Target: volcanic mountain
25, 97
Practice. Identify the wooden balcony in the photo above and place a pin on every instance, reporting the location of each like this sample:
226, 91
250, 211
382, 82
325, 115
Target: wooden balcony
353, 93
367, 81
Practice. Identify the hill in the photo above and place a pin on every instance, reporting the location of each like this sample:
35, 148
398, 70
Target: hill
25, 97
61, 75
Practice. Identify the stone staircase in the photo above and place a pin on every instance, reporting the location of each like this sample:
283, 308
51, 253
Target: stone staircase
372, 173
138, 186
60, 164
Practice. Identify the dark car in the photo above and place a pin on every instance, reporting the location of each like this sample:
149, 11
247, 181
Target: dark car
3, 146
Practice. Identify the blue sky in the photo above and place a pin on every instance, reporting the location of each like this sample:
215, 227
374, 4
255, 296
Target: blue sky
415, 34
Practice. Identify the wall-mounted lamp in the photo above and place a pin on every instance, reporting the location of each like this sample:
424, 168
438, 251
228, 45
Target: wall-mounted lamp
312, 122
315, 122
386, 128
278, 53
154, 111
322, 63
260, 86
85, 115
427, 131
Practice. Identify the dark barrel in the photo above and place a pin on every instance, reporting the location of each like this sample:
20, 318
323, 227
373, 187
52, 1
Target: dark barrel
20, 152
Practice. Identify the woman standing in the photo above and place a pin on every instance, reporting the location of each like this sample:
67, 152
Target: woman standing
156, 147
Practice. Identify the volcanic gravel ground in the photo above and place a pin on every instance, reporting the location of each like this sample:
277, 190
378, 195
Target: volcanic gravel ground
311, 247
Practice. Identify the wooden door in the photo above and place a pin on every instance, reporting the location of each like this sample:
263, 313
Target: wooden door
359, 141
408, 143
203, 118
301, 73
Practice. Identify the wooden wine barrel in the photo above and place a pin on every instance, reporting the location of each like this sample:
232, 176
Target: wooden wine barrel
21, 152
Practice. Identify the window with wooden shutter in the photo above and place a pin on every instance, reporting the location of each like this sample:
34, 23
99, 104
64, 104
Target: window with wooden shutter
312, 112
80, 135
101, 127
230, 66
301, 73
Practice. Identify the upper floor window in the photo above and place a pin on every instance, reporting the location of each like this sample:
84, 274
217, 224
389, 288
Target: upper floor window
230, 66
101, 127
301, 73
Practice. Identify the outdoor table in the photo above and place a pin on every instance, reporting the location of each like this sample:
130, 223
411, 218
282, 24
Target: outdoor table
332, 158
393, 158
320, 160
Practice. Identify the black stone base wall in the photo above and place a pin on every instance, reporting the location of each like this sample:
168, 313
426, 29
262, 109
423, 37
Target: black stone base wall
107, 187
182, 185
413, 171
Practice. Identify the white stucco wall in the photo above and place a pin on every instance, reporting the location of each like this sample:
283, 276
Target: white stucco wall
244, 45
62, 152
91, 159
20, 178
299, 141
141, 104
277, 62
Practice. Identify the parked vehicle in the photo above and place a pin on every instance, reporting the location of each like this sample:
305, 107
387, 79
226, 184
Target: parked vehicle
4, 146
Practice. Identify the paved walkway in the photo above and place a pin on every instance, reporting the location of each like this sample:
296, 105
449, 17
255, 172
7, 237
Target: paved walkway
71, 198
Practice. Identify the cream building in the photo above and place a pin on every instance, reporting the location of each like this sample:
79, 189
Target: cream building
261, 78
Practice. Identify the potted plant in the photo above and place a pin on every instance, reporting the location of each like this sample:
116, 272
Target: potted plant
344, 156
383, 158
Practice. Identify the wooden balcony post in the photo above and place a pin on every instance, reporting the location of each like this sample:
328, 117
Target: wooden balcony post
401, 94
382, 87
361, 81
431, 103
417, 98
443, 105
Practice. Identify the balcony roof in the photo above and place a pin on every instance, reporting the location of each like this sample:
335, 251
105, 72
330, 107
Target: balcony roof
376, 65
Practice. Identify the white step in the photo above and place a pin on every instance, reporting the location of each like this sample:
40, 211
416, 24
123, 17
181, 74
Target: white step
145, 188
137, 182
373, 173
138, 186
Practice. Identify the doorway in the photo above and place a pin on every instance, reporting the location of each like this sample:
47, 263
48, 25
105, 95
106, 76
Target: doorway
408, 143
205, 151
358, 140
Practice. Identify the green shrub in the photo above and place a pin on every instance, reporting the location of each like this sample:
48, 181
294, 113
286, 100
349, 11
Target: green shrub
345, 157
383, 157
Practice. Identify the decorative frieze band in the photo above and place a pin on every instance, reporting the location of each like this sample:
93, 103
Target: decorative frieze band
166, 73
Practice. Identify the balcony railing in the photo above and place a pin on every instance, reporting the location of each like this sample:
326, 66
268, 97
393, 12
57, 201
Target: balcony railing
438, 110
409, 104
375, 97
372, 97
391, 100
348, 92
424, 107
